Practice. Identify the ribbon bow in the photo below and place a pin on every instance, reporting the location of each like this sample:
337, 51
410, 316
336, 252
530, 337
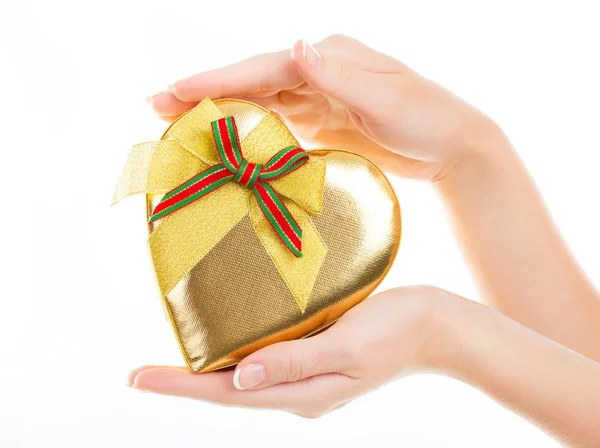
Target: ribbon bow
275, 188
252, 176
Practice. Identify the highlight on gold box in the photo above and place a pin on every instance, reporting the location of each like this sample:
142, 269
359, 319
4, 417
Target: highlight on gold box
253, 239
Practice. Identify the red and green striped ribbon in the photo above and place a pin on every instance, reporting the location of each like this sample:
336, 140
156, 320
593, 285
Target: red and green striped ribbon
255, 177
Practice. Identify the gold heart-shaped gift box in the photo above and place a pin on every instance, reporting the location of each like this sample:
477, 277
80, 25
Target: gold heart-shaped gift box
234, 301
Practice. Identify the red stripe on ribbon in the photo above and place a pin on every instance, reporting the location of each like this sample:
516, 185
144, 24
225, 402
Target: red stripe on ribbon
279, 217
227, 145
284, 159
247, 174
208, 180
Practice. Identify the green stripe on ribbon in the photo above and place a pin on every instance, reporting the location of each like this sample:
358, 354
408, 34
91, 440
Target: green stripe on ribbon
192, 181
278, 156
283, 209
254, 177
294, 163
240, 171
189, 199
234, 140
269, 215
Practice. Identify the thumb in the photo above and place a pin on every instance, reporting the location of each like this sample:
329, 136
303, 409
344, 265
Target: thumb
360, 90
292, 361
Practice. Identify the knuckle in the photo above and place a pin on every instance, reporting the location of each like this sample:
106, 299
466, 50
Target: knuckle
336, 39
295, 368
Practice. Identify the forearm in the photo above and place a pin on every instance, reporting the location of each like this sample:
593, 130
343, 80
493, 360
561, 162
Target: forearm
519, 259
549, 384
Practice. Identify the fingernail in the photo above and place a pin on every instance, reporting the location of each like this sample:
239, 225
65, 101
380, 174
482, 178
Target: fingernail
249, 376
171, 87
310, 54
136, 386
149, 98
293, 53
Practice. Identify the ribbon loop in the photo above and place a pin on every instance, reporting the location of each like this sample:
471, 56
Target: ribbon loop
284, 162
226, 138
251, 176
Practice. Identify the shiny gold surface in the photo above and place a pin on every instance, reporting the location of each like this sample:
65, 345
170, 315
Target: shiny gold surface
234, 301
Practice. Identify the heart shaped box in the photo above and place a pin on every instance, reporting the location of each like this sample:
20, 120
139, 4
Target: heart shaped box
234, 302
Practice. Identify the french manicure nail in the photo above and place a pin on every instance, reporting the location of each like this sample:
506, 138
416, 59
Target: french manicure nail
149, 98
249, 376
310, 54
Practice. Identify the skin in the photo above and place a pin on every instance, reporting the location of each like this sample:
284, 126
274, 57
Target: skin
543, 322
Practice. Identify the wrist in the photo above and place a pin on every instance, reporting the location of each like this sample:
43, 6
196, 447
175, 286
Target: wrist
486, 151
456, 331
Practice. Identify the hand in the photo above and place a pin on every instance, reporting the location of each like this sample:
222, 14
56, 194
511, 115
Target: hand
394, 333
397, 333
340, 93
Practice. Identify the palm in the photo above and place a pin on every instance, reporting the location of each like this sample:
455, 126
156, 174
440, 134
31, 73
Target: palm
325, 122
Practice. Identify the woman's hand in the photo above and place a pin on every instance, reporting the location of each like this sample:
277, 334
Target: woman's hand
394, 333
341, 93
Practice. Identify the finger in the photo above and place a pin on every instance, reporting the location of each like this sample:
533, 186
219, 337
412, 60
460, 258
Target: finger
264, 73
167, 104
362, 91
134, 373
270, 73
361, 55
294, 361
168, 118
271, 102
217, 387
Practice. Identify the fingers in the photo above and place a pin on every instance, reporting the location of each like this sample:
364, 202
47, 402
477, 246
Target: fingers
293, 361
360, 55
313, 396
167, 104
134, 373
360, 90
168, 118
256, 76
216, 387
270, 73
267, 74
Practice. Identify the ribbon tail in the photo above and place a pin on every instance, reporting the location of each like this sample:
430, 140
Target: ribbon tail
299, 274
182, 239
280, 218
193, 189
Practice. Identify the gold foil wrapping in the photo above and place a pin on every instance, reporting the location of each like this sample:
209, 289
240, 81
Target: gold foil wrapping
234, 301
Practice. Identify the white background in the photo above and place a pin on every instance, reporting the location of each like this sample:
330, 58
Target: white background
79, 304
